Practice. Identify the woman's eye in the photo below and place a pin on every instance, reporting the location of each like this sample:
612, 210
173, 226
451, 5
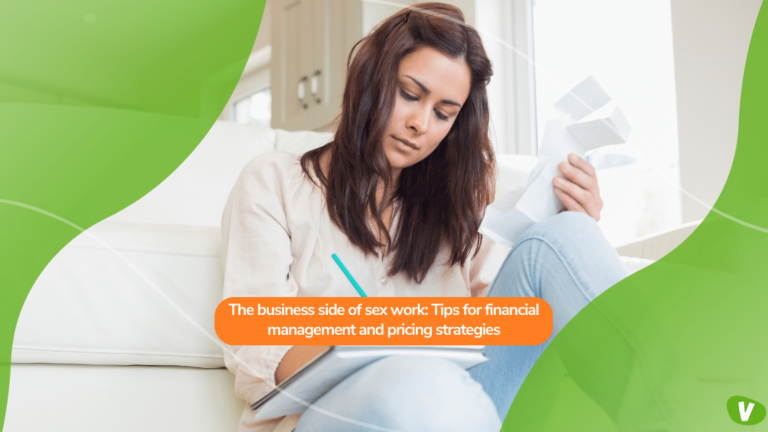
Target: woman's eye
441, 116
407, 96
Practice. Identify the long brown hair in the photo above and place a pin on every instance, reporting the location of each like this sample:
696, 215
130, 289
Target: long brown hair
440, 200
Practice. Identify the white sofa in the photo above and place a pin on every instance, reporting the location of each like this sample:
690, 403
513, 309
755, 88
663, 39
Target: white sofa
117, 334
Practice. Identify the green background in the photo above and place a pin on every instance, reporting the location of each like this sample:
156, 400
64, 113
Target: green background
664, 349
99, 102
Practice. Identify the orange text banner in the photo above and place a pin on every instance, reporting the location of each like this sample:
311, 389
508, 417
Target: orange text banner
383, 321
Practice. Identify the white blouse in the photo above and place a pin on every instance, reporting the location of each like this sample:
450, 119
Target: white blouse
277, 241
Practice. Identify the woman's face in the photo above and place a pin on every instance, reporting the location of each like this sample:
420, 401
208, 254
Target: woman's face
432, 88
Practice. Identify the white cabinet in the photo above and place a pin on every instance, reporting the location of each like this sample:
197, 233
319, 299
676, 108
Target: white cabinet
311, 40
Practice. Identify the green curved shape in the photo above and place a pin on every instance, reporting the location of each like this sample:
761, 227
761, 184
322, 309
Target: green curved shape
99, 102
665, 349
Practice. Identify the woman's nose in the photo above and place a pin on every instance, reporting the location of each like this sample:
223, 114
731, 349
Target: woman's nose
418, 121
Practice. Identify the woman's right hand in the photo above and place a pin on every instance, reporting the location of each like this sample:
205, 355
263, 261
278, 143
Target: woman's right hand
295, 358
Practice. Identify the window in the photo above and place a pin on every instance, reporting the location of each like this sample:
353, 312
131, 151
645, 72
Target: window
627, 46
256, 109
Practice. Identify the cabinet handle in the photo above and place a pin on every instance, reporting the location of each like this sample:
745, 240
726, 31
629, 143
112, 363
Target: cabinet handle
301, 92
314, 85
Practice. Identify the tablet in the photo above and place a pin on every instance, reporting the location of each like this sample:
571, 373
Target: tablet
319, 375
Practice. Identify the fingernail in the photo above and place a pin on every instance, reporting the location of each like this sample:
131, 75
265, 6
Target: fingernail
572, 158
558, 181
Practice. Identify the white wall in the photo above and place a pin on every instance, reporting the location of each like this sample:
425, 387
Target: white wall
264, 38
256, 74
374, 13
711, 39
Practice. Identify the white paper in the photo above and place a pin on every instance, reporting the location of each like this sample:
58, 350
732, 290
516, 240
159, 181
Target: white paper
603, 132
507, 218
584, 99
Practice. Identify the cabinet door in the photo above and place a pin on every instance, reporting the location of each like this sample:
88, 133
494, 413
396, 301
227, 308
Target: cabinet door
290, 65
336, 27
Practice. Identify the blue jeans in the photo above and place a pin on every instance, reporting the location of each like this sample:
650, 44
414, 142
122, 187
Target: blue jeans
564, 260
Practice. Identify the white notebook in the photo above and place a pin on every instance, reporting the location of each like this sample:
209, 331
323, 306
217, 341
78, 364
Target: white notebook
329, 368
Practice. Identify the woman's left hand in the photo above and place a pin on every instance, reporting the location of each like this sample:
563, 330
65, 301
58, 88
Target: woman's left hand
578, 190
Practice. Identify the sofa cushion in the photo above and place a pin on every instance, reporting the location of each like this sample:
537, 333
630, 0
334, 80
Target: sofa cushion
126, 293
195, 193
300, 142
634, 264
73, 398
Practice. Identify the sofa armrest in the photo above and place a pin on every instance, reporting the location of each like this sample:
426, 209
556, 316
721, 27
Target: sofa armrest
655, 246
126, 293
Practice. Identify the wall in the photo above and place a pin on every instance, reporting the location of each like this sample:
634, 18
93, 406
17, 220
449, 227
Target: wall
256, 74
374, 13
264, 38
711, 39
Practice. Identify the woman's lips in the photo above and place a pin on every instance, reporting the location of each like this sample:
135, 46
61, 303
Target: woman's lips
407, 143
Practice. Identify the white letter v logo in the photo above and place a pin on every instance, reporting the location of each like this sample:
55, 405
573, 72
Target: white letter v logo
745, 414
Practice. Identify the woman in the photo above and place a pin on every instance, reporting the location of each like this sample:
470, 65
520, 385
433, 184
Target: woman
399, 195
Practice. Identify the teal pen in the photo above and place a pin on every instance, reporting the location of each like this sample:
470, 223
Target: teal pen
349, 276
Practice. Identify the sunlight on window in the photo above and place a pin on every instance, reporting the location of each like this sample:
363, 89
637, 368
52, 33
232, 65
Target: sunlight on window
627, 46
256, 109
